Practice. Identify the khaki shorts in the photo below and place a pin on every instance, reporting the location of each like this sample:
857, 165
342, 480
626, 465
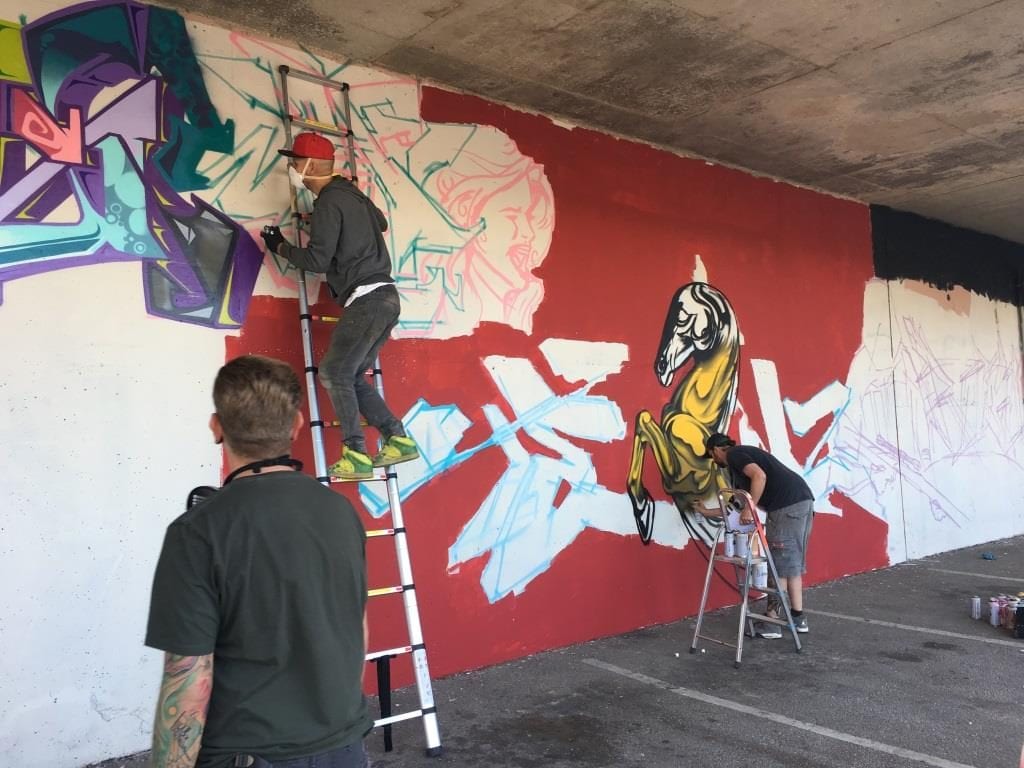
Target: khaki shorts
788, 530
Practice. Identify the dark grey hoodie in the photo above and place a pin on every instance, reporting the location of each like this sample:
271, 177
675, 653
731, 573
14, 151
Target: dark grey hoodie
345, 240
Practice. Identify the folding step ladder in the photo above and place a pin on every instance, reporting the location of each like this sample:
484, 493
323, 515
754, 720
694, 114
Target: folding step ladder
406, 589
743, 568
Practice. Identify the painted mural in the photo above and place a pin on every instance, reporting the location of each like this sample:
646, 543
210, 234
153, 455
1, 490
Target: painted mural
471, 216
100, 150
104, 117
131, 139
700, 333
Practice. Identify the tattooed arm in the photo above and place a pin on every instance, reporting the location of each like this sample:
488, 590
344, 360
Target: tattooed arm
181, 710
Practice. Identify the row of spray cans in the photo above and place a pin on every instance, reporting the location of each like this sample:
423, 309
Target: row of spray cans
1004, 611
737, 544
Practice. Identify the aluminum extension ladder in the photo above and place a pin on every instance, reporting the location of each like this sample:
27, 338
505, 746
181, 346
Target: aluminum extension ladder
382, 658
743, 568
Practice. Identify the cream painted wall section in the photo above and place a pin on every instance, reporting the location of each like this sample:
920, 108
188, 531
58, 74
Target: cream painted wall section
102, 433
932, 437
960, 417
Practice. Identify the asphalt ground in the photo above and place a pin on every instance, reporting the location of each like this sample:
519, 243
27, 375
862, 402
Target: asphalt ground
893, 672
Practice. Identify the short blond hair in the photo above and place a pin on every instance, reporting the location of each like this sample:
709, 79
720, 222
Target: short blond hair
256, 399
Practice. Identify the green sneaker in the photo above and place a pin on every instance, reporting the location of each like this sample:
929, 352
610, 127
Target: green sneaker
352, 465
395, 451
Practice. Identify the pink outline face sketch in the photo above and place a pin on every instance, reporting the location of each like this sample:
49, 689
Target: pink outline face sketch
491, 183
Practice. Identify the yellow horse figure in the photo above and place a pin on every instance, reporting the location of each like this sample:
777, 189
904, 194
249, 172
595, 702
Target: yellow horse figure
700, 326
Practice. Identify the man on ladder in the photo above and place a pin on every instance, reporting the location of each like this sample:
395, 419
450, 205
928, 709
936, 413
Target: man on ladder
346, 243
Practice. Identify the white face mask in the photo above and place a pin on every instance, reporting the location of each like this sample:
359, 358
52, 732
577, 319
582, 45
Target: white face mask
296, 178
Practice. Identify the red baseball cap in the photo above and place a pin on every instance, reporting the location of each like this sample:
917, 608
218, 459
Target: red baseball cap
311, 145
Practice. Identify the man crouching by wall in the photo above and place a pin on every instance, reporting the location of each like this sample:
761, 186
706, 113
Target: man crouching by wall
259, 600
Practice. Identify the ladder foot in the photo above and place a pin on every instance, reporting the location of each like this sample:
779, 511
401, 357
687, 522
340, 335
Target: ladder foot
693, 650
434, 751
736, 665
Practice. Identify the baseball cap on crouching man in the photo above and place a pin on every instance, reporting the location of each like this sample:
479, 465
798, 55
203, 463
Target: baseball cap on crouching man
311, 145
717, 440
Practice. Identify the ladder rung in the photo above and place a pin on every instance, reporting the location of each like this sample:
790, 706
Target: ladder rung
389, 652
376, 478
398, 718
768, 619
740, 560
310, 78
716, 640
336, 423
316, 125
380, 591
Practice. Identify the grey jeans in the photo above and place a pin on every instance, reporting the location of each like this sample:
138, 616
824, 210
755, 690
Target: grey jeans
364, 327
352, 756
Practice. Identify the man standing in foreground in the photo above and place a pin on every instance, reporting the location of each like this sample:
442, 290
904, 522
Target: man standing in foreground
346, 243
259, 600
789, 504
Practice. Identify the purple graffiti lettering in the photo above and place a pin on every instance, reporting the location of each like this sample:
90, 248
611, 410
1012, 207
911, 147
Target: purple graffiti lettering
98, 162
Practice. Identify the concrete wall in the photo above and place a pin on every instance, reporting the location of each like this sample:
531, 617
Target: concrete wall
537, 265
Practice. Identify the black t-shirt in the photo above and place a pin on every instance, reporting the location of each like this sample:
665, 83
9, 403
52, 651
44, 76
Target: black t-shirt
782, 485
269, 575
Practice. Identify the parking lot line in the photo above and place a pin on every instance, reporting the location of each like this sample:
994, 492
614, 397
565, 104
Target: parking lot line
991, 576
829, 733
926, 630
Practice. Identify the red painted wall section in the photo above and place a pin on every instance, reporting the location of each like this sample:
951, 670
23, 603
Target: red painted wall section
629, 220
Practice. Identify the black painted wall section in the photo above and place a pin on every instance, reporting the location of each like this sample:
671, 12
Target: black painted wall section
908, 246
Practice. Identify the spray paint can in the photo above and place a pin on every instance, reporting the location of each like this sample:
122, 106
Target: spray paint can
742, 544
1018, 630
730, 544
761, 575
975, 607
993, 611
1011, 613
760, 569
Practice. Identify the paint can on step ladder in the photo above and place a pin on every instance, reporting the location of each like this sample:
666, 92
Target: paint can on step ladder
742, 544
761, 575
730, 545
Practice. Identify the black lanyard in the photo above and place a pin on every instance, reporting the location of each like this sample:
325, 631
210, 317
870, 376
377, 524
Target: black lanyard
257, 466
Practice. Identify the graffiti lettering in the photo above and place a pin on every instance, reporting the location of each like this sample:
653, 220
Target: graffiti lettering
31, 122
525, 522
97, 151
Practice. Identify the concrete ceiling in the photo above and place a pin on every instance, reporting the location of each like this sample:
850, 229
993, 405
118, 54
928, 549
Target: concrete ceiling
915, 104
